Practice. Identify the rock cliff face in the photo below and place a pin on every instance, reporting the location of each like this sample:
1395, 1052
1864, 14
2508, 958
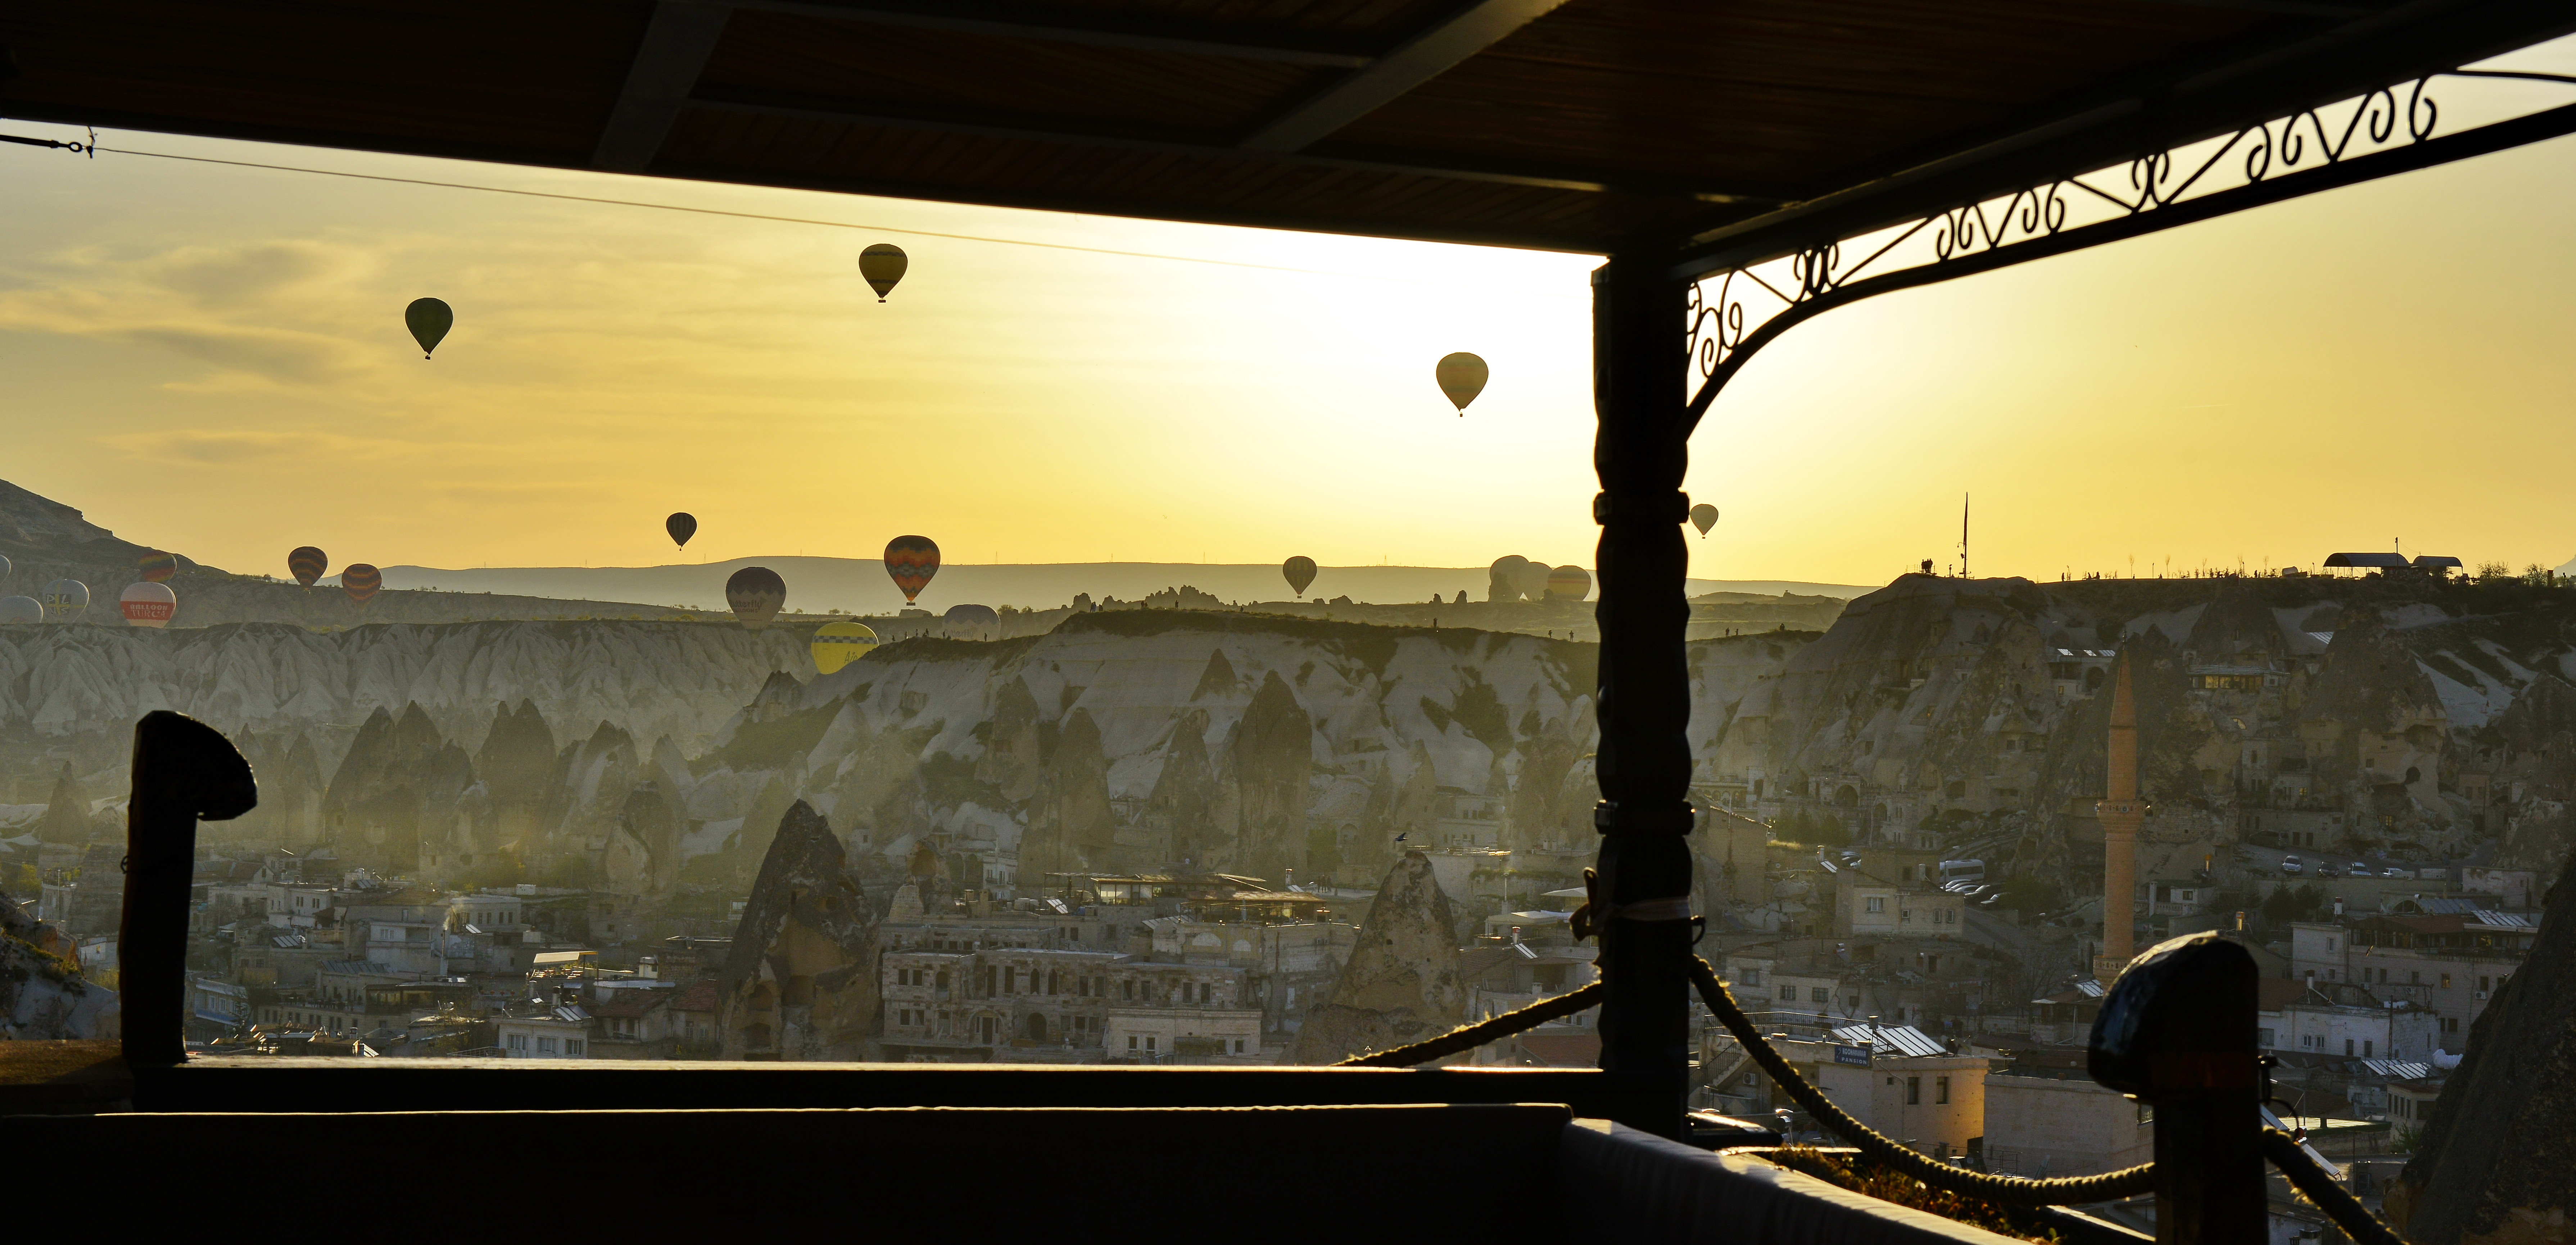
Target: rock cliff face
1401, 983
801, 982
2497, 1165
42, 994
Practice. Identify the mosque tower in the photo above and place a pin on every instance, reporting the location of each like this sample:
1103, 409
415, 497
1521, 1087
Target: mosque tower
2121, 812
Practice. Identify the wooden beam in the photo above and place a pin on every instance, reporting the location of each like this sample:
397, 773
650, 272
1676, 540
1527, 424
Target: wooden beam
666, 66
1425, 56
1093, 27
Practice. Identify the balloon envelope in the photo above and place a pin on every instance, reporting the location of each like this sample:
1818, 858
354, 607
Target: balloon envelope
1506, 577
64, 599
428, 319
157, 566
4, 566
1462, 377
1533, 580
21, 610
1569, 583
1703, 517
681, 526
910, 561
307, 563
148, 604
883, 265
964, 620
838, 644
1300, 572
361, 581
755, 593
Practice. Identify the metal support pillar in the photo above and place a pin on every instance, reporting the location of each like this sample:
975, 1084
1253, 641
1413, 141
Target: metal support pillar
1639, 314
2178, 1032
184, 771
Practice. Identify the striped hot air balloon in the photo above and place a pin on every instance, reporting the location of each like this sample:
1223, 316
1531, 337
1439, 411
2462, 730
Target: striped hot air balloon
1569, 583
148, 604
361, 581
1298, 571
755, 593
838, 644
910, 561
307, 563
157, 566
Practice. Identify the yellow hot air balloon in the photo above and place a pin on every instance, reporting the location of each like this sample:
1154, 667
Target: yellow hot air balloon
1462, 376
883, 265
838, 644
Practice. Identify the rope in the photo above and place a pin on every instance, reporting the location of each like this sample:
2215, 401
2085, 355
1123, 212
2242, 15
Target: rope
1469, 1037
2319, 1186
2011, 1190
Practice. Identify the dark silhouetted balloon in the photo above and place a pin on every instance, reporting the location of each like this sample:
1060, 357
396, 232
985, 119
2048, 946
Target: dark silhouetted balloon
307, 563
1505, 578
910, 561
1703, 517
966, 622
883, 265
157, 566
681, 526
361, 581
1300, 572
1568, 583
755, 593
428, 319
1462, 377
1533, 580
148, 604
64, 599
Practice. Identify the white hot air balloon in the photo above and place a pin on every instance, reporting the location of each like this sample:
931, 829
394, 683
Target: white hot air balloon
148, 604
64, 600
21, 610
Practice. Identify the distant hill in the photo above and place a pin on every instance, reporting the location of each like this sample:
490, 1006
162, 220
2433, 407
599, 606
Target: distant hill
860, 586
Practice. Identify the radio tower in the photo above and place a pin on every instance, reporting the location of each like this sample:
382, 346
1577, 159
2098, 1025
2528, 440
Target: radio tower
1963, 535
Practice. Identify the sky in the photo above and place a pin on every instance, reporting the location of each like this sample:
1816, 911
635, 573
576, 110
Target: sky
212, 359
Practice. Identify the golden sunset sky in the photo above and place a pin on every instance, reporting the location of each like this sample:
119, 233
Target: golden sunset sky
212, 359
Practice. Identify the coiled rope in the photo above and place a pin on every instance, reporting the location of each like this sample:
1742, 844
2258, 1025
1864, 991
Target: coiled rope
2336, 1201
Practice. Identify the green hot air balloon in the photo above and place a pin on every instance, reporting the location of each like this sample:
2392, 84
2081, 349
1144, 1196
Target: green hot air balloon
1703, 516
883, 264
681, 526
1299, 572
429, 319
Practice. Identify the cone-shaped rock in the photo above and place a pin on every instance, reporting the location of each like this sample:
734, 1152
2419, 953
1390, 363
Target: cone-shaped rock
1401, 983
800, 982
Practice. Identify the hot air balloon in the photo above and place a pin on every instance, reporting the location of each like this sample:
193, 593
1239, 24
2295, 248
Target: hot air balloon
1568, 583
1703, 517
21, 610
361, 581
157, 566
964, 622
64, 599
838, 644
307, 563
910, 561
1462, 377
4, 566
1533, 580
148, 604
681, 526
1300, 572
883, 265
428, 319
1505, 578
755, 593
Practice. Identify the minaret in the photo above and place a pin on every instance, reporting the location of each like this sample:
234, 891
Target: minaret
2120, 812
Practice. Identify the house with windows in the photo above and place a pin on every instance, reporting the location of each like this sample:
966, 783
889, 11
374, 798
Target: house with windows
2349, 1021
554, 1033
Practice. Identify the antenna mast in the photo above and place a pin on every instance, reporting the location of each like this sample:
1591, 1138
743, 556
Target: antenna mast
1963, 535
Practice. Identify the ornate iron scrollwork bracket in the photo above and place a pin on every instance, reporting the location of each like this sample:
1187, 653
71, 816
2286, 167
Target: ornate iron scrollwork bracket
1735, 311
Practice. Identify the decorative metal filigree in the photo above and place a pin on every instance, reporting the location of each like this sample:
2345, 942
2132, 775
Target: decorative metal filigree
1735, 311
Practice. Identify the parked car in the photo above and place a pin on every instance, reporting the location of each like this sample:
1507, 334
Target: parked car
2360, 870
2326, 869
2290, 864
2393, 871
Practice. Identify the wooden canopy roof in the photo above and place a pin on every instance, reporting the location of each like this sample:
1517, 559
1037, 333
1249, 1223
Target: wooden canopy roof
1589, 125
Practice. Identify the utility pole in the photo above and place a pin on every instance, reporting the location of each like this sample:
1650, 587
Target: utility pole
1963, 535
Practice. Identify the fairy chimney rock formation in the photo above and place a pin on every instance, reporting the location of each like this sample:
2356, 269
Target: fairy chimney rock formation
800, 982
1401, 984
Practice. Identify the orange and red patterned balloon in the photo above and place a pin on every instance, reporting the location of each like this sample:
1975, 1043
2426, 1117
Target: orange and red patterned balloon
361, 581
157, 566
307, 563
910, 561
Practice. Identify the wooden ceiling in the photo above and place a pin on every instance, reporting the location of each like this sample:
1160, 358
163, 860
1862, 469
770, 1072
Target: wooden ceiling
1590, 125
